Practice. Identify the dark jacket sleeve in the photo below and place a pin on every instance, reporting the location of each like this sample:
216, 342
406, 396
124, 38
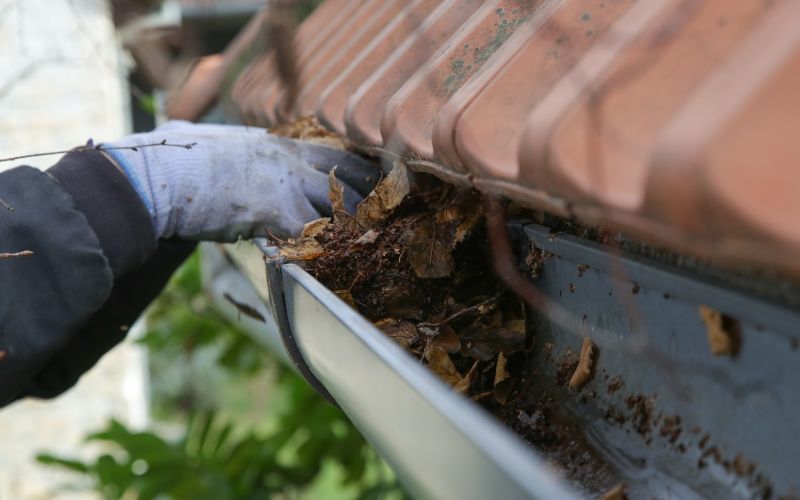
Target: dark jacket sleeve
95, 266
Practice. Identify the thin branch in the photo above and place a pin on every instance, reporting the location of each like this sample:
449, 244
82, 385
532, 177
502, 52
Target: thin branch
6, 205
14, 255
462, 312
101, 147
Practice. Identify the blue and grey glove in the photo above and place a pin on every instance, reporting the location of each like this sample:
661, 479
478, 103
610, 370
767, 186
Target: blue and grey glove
236, 181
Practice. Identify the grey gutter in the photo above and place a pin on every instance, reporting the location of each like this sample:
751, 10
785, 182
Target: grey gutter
440, 444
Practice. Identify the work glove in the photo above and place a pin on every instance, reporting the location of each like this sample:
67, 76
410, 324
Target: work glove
233, 182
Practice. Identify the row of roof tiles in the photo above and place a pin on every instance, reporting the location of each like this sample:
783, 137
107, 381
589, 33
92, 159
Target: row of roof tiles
673, 120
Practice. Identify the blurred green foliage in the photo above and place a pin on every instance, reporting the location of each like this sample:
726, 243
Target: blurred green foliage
285, 441
147, 103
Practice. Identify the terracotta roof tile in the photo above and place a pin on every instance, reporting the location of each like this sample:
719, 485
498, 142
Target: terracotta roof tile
366, 106
319, 52
598, 129
673, 120
260, 78
732, 152
333, 100
407, 124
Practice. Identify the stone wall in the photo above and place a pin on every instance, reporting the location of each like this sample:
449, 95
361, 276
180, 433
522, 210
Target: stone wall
62, 81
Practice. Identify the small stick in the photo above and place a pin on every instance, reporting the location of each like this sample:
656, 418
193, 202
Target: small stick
100, 147
24, 253
6, 205
283, 242
462, 312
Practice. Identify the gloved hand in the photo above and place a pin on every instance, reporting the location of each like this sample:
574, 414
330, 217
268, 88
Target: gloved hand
236, 181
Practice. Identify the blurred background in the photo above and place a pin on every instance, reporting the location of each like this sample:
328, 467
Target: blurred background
191, 407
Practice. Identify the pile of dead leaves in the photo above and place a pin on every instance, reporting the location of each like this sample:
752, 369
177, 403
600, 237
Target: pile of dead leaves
414, 260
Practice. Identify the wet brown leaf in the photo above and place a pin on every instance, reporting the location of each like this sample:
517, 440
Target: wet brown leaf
402, 332
441, 364
387, 196
428, 252
315, 227
447, 339
302, 249
502, 380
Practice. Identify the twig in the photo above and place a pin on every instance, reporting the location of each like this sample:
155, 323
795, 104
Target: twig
269, 233
360, 273
24, 253
462, 312
6, 205
101, 147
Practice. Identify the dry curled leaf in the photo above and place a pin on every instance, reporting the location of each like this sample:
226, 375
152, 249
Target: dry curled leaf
460, 216
402, 332
315, 227
309, 129
336, 194
463, 386
723, 335
441, 364
447, 339
302, 249
386, 196
502, 380
583, 372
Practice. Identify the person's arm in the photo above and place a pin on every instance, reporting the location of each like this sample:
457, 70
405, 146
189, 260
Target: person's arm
84, 224
108, 229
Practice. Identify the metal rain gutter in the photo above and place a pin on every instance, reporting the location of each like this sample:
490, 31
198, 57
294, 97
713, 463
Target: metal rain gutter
440, 444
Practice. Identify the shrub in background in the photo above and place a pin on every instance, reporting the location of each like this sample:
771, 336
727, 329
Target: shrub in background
232, 423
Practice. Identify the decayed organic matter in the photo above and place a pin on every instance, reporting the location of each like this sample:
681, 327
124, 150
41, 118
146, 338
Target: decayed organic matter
414, 260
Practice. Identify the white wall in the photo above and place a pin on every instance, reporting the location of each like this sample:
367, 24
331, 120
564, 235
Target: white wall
61, 83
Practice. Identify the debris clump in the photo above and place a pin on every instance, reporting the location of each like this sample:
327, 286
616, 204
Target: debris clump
414, 260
